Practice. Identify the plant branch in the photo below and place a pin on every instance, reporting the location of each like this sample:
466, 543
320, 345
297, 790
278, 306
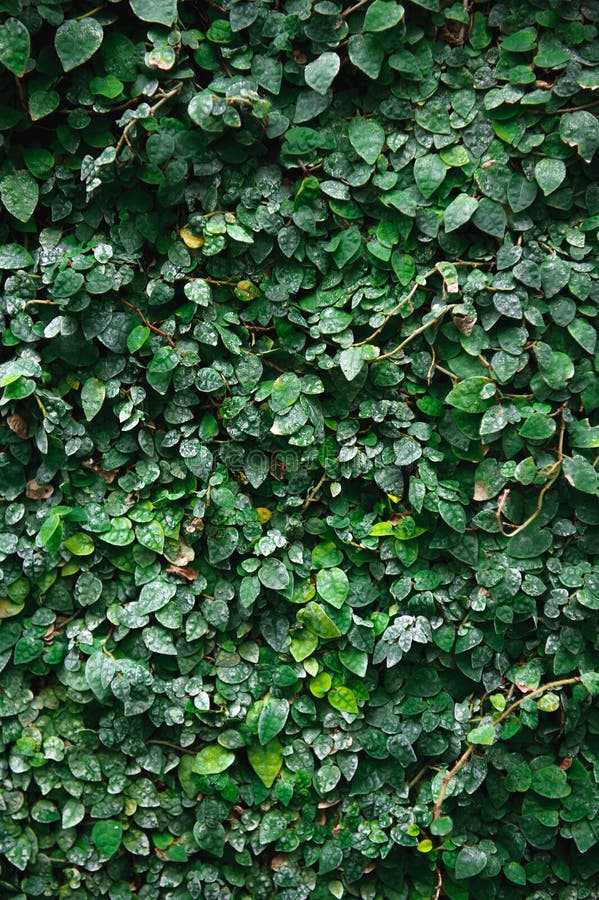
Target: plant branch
463, 759
352, 9
553, 473
153, 110
414, 334
149, 324
312, 495
396, 308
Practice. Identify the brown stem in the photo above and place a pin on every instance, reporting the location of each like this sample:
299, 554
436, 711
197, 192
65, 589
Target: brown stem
553, 473
396, 309
352, 9
314, 492
463, 759
172, 746
414, 334
153, 109
149, 324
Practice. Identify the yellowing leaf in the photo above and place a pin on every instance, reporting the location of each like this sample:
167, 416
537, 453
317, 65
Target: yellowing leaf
191, 240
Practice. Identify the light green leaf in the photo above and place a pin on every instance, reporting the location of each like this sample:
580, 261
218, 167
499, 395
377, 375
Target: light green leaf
320, 73
212, 760
366, 53
266, 761
482, 734
77, 41
333, 586
343, 699
470, 861
314, 617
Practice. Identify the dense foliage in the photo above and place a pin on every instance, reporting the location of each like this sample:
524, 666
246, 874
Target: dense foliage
299, 469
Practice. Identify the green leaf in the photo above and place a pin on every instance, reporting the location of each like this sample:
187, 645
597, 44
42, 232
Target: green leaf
472, 395
429, 172
490, 218
366, 53
520, 41
77, 41
15, 46
273, 574
272, 719
550, 781
314, 617
470, 862
107, 836
343, 699
581, 474
321, 72
459, 211
382, 14
137, 337
333, 586
20, 193
285, 392
591, 682
164, 12
549, 174
367, 137
13, 256
100, 669
266, 761
93, 394
212, 760
581, 130
72, 813
351, 362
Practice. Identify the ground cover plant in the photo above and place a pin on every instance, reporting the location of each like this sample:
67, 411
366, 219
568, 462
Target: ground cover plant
299, 451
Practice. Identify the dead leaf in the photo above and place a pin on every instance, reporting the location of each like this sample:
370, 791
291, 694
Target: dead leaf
18, 424
184, 571
480, 492
181, 554
37, 491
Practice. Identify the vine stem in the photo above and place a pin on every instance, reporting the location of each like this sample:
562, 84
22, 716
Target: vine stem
352, 9
463, 759
312, 495
171, 745
153, 110
414, 334
553, 473
148, 324
397, 307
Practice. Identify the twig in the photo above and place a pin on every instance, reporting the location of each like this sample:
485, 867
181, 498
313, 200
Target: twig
352, 9
439, 885
172, 746
396, 308
312, 495
263, 359
553, 473
504, 715
414, 334
41, 303
41, 405
153, 110
92, 12
148, 324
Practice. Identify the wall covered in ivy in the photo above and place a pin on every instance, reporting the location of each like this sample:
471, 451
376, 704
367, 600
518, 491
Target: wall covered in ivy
298, 449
